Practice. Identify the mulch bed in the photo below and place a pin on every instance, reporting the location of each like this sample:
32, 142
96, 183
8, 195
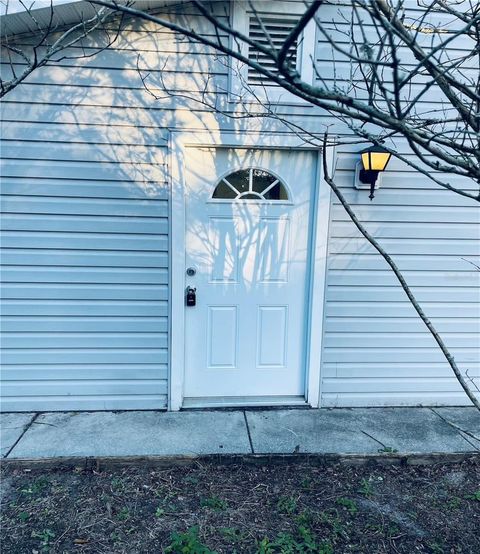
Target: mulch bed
241, 508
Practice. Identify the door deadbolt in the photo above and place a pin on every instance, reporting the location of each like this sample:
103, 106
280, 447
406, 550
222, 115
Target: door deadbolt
190, 296
191, 271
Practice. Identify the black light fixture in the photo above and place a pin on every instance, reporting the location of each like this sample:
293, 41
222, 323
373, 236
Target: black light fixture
374, 160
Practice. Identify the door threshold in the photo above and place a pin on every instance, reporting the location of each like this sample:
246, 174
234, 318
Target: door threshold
243, 401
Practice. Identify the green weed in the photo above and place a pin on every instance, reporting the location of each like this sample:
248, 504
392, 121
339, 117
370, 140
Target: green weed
349, 504
366, 488
474, 496
187, 543
287, 504
214, 503
232, 534
123, 514
45, 537
36, 487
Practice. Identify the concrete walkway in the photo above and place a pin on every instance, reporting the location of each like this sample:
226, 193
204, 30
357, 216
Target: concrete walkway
363, 432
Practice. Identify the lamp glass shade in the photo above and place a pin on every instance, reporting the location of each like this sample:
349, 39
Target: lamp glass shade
375, 159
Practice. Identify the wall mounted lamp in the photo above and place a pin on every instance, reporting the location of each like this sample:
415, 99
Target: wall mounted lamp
374, 160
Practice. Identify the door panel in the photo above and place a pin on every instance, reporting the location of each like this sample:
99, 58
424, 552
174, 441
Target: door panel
246, 334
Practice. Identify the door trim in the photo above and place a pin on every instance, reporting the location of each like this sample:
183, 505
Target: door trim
179, 142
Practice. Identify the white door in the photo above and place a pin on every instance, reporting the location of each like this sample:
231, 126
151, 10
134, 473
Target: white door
247, 235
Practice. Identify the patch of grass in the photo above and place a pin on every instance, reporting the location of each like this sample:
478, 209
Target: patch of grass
366, 488
287, 505
287, 543
454, 503
437, 547
348, 503
474, 496
23, 516
123, 514
330, 517
214, 503
305, 518
36, 487
232, 534
307, 484
191, 480
117, 484
187, 543
45, 536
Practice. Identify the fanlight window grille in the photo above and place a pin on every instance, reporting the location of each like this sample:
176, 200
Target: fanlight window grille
250, 184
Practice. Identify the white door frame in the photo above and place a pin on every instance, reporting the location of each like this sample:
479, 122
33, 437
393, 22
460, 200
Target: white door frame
179, 142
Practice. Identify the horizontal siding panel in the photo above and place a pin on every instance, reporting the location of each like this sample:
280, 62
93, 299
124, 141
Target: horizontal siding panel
85, 356
407, 355
93, 275
347, 160
146, 52
413, 398
394, 246
422, 265
393, 369
85, 324
76, 402
20, 186
100, 258
105, 97
119, 83
83, 241
61, 291
85, 223
75, 133
392, 385
399, 339
170, 113
410, 214
381, 293
459, 231
77, 152
83, 387
91, 170
401, 309
391, 324
413, 278
92, 371
401, 177
83, 340
92, 206
85, 308
417, 198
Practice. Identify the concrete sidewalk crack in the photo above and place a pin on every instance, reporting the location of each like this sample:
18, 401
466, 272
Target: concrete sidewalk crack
384, 446
248, 432
460, 430
27, 427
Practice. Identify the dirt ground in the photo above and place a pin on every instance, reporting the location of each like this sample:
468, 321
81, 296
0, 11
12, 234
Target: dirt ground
242, 508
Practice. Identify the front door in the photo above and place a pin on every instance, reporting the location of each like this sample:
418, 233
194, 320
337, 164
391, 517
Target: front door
247, 235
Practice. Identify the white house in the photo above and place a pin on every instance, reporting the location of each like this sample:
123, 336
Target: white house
117, 205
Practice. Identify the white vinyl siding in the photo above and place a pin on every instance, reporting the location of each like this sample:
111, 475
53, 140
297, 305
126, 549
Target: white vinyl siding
377, 352
84, 275
85, 224
85, 188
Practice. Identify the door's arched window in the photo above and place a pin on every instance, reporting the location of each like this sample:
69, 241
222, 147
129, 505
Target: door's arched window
250, 184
